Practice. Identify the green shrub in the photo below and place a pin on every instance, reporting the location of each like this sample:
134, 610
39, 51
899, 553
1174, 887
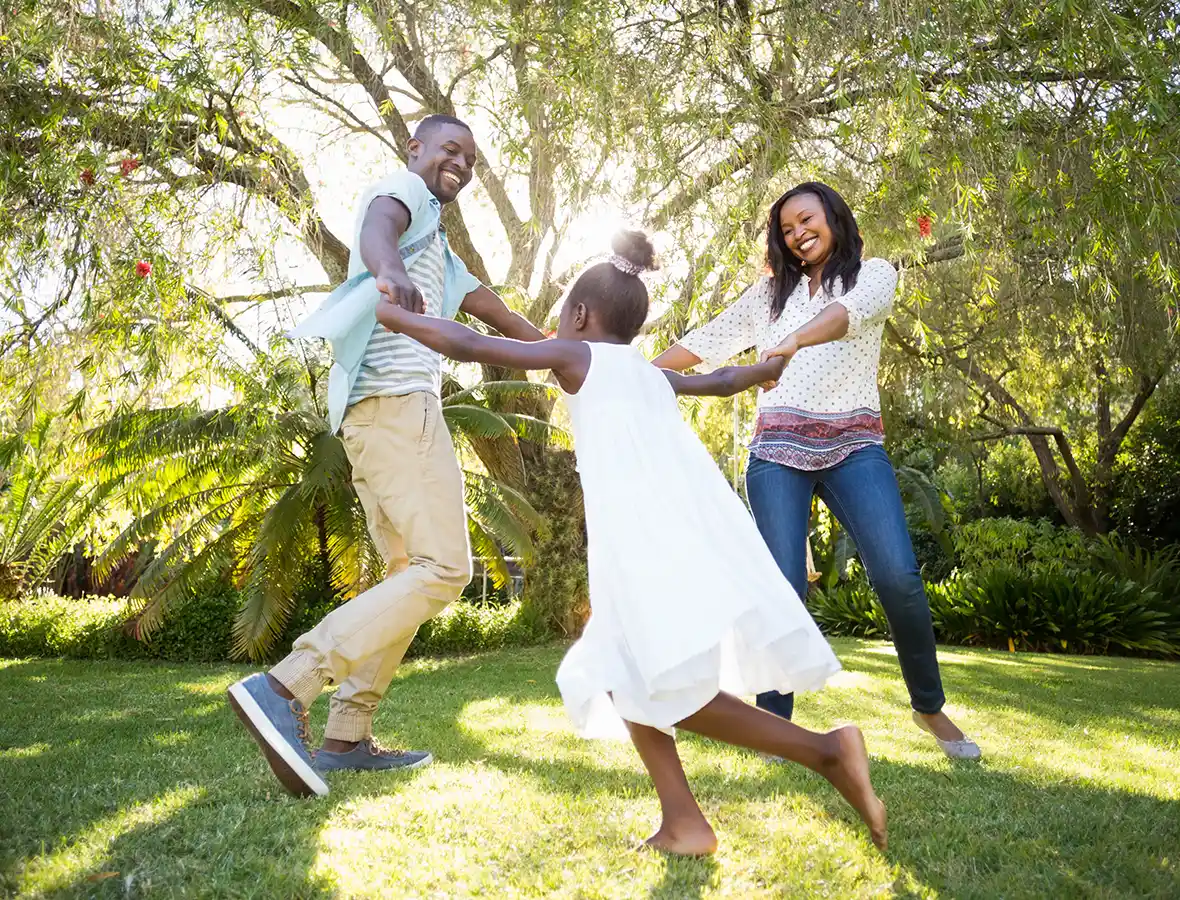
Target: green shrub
93, 628
994, 606
53, 626
471, 627
198, 630
848, 609
1064, 610
201, 629
1018, 544
1152, 570
1094, 613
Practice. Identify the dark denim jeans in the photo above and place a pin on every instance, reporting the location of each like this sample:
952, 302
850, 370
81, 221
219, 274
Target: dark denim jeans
861, 491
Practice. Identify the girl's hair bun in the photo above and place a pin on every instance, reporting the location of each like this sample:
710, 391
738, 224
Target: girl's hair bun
636, 248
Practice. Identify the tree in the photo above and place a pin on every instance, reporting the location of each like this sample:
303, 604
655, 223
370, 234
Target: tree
1038, 144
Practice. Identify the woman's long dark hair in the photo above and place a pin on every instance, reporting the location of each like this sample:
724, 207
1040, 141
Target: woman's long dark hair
787, 269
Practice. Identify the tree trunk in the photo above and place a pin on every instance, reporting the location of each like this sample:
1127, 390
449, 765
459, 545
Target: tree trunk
558, 590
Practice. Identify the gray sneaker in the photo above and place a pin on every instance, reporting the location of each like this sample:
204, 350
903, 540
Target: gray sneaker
281, 729
369, 756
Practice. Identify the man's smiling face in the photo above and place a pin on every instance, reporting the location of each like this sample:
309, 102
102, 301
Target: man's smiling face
444, 157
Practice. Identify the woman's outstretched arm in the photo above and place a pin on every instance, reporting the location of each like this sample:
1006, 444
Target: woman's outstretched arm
676, 358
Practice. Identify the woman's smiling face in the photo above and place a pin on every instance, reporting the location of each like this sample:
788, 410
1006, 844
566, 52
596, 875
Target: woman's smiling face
806, 231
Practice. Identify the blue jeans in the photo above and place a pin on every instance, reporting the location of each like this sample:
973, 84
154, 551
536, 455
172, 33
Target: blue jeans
861, 491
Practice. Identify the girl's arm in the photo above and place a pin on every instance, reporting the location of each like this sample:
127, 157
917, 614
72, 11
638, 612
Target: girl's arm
727, 381
569, 360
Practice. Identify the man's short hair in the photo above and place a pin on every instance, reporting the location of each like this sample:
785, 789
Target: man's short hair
431, 124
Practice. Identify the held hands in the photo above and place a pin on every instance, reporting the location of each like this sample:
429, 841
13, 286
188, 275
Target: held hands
400, 291
391, 316
787, 349
774, 367
781, 355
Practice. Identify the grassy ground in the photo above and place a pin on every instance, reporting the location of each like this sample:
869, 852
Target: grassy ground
129, 780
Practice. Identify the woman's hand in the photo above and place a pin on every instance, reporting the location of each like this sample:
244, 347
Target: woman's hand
787, 349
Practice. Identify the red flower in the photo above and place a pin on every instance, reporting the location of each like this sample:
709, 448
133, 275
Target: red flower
143, 268
87, 177
129, 165
552, 333
925, 226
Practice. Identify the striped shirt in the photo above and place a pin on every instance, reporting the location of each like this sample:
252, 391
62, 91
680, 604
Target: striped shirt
394, 364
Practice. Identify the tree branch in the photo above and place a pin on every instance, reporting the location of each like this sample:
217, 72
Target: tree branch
1110, 447
277, 294
739, 158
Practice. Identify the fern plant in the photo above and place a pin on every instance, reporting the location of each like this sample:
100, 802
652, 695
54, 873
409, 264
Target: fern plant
44, 506
259, 492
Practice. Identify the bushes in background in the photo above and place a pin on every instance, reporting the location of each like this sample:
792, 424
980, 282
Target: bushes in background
93, 628
200, 630
984, 543
467, 627
1025, 585
1019, 585
1052, 608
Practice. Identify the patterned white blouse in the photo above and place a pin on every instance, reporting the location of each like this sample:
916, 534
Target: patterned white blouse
827, 405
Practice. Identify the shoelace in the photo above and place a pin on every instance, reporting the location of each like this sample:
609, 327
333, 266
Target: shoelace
377, 750
303, 732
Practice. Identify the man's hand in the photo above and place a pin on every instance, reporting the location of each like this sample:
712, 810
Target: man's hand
400, 291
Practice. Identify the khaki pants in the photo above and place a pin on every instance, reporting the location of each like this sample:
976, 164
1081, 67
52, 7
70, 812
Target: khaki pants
409, 483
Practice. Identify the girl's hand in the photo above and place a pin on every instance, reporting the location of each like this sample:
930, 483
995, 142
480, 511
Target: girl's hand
777, 364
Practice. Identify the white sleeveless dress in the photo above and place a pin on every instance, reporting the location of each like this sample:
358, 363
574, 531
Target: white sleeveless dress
685, 598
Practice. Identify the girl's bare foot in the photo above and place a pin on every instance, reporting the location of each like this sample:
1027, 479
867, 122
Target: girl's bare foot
684, 838
848, 772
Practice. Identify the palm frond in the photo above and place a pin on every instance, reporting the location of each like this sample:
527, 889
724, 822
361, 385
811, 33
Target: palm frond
492, 391
477, 421
503, 513
539, 431
275, 572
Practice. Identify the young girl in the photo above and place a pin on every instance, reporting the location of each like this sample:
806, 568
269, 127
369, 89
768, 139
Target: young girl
688, 606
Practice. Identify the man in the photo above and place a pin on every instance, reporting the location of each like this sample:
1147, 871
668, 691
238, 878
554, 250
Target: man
384, 392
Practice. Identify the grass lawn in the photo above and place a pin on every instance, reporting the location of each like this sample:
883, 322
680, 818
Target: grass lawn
129, 780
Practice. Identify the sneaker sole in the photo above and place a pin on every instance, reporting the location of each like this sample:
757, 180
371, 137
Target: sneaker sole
292, 772
425, 761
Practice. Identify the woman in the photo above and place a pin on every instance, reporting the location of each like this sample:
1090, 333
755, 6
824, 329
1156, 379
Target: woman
823, 309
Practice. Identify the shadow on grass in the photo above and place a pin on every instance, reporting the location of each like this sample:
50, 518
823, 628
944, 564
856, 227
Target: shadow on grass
144, 771
1065, 689
146, 776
